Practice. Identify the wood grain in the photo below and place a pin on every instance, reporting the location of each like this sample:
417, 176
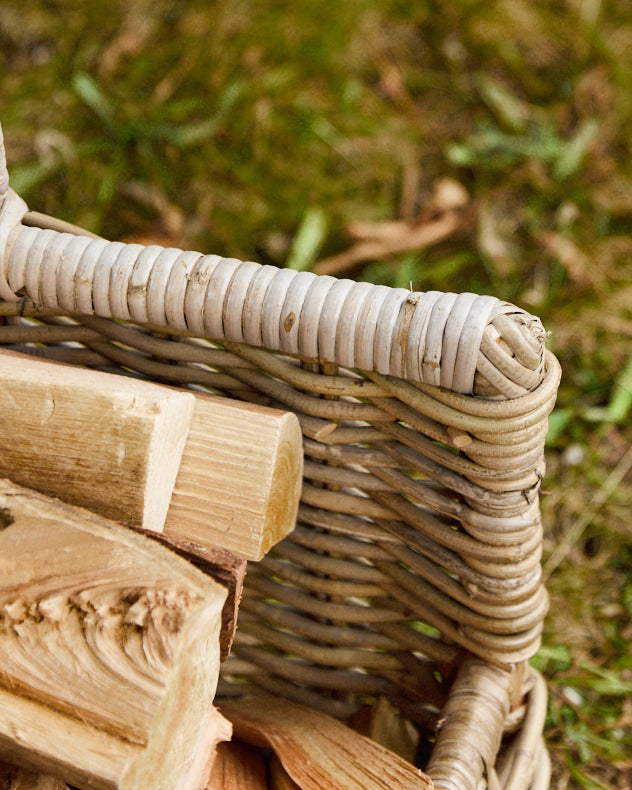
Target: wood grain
383, 723
240, 477
317, 751
279, 777
109, 443
238, 766
225, 567
216, 473
109, 650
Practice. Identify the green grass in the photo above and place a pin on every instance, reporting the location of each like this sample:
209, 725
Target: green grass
261, 130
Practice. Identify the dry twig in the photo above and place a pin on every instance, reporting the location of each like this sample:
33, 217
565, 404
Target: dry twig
443, 215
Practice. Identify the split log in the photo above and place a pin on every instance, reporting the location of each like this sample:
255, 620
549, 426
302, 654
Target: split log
317, 751
240, 478
225, 567
384, 724
238, 766
279, 777
117, 446
218, 732
109, 651
108, 443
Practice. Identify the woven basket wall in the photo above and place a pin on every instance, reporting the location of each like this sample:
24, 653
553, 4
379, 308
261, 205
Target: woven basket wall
414, 568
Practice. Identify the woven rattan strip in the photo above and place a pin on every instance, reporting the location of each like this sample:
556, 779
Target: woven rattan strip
440, 339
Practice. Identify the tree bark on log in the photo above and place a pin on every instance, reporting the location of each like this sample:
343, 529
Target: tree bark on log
238, 766
225, 567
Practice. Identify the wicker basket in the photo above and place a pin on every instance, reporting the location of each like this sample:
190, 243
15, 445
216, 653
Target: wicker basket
413, 572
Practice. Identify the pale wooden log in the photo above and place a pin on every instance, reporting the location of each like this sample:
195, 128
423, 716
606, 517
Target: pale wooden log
384, 724
219, 731
240, 478
116, 445
109, 651
225, 567
279, 777
317, 751
238, 766
109, 443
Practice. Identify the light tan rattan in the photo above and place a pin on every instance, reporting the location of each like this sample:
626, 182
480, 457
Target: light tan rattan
414, 569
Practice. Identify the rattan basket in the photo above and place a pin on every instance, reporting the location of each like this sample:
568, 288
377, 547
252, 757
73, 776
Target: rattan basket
413, 572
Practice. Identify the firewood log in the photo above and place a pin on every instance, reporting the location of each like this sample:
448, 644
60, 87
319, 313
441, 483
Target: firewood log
109, 443
109, 651
240, 477
319, 752
279, 777
238, 766
384, 724
194, 467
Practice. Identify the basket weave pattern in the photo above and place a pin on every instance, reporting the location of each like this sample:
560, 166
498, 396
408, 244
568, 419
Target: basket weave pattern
413, 571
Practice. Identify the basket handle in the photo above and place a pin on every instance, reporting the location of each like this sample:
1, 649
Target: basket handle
441, 339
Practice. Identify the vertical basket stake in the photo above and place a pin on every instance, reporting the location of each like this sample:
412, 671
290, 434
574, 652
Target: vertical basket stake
4, 173
12, 209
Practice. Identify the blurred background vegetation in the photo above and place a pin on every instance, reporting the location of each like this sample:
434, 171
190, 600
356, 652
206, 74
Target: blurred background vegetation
448, 145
